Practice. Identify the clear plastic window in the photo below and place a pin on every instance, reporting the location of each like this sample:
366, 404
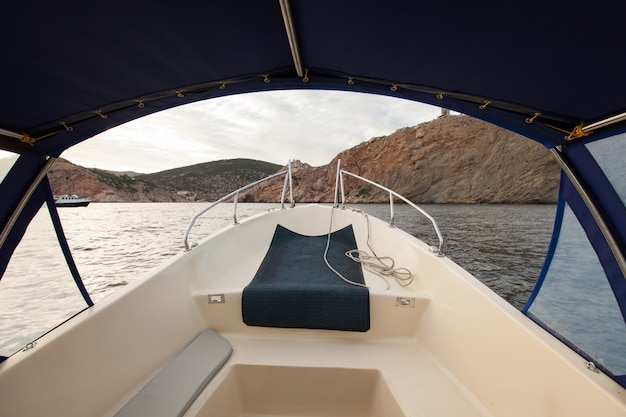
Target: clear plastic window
37, 291
609, 154
577, 302
7, 160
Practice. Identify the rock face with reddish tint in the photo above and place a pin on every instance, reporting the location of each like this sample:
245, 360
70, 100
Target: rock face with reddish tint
453, 159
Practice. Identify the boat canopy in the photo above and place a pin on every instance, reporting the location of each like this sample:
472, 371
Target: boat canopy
551, 71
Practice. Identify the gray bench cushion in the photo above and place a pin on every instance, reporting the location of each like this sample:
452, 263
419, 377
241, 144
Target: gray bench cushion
171, 391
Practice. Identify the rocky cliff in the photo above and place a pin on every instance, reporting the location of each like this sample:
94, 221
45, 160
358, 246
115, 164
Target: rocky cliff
453, 159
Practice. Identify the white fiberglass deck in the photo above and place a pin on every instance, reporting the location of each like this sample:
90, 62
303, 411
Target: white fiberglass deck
300, 372
444, 346
305, 375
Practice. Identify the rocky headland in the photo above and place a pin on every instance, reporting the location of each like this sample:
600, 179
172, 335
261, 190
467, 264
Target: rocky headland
453, 159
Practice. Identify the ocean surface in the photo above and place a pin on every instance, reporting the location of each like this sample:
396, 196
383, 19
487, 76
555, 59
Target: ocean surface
115, 243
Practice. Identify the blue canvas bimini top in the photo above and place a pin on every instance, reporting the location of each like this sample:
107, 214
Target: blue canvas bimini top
550, 71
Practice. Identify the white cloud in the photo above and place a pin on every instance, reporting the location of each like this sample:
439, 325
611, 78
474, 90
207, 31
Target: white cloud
312, 126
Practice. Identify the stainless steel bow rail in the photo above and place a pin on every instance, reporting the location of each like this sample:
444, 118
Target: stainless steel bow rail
235, 194
339, 188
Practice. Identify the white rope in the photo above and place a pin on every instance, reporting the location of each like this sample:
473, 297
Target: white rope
383, 266
330, 228
378, 266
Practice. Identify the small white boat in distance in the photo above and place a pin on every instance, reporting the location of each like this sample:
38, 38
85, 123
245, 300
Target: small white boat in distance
71, 201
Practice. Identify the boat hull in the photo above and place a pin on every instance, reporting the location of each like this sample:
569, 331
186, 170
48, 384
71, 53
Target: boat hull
73, 204
71, 201
445, 345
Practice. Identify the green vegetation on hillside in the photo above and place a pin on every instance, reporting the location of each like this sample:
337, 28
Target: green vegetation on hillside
211, 180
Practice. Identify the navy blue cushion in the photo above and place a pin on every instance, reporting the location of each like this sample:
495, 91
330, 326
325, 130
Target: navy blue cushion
294, 288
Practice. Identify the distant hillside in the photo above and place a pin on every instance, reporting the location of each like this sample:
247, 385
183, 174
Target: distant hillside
131, 174
207, 181
211, 180
103, 186
453, 159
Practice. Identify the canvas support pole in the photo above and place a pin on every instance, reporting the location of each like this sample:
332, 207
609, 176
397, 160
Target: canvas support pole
593, 209
29, 192
291, 34
10, 134
605, 122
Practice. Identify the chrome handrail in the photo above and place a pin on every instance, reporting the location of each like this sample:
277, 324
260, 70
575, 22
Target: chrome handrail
340, 189
235, 194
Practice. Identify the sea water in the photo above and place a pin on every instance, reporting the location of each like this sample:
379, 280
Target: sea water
115, 243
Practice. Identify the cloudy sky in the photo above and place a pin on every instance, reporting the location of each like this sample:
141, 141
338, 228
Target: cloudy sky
312, 126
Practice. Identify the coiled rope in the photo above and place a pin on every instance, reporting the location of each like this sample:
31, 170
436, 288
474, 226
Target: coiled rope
383, 266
